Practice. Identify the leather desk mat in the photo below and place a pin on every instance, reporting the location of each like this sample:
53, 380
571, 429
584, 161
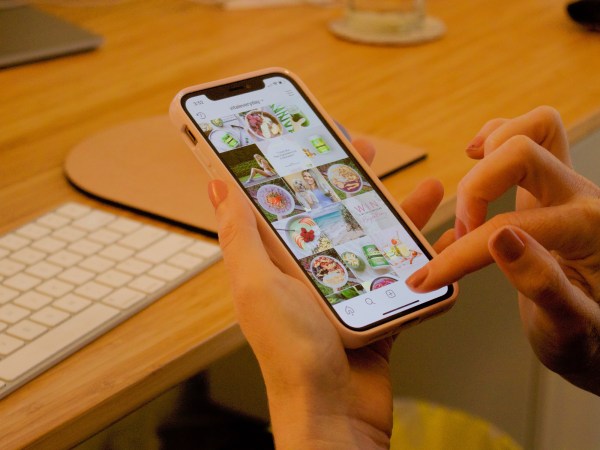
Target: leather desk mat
144, 165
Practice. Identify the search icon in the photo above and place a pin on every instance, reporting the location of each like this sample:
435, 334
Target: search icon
369, 301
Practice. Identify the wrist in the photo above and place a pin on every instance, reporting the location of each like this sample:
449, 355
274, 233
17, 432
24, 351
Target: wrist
319, 420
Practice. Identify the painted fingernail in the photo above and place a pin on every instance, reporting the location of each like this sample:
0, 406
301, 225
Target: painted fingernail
217, 192
476, 143
508, 245
417, 278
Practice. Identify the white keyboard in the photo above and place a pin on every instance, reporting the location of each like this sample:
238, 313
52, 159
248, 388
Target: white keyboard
76, 272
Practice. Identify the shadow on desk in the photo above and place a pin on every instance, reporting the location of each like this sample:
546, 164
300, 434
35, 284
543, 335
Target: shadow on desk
184, 418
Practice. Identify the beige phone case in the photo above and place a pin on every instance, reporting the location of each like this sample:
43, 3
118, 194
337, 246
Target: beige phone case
276, 249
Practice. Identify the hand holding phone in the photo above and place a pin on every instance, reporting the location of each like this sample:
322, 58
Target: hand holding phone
323, 216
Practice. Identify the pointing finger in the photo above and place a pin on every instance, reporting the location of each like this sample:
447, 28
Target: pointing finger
566, 229
518, 162
543, 125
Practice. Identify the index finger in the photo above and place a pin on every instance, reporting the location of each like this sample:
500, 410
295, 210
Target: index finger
543, 125
562, 228
518, 162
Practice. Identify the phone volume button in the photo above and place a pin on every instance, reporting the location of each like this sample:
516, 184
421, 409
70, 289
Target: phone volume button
210, 169
203, 160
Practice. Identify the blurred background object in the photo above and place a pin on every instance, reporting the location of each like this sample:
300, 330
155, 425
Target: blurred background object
586, 13
387, 22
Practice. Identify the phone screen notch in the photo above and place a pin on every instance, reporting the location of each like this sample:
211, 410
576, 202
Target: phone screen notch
231, 90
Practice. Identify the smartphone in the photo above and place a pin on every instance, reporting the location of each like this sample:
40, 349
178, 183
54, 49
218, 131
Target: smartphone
324, 217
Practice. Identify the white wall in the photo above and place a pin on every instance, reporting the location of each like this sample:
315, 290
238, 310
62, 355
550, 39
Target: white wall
567, 416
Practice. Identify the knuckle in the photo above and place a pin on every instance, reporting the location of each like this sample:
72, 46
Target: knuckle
503, 219
495, 123
546, 285
590, 210
586, 213
521, 144
547, 114
227, 235
518, 151
463, 186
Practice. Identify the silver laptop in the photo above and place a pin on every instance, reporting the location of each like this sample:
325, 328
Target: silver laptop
28, 35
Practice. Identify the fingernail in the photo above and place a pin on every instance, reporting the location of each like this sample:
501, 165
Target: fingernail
417, 278
476, 143
459, 228
508, 245
217, 192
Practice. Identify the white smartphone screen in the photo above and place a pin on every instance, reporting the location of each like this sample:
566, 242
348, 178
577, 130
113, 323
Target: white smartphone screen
352, 245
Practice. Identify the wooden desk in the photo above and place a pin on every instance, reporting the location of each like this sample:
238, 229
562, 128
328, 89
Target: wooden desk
497, 59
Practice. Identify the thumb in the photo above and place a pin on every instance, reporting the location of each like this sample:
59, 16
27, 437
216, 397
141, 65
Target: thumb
237, 229
365, 148
537, 275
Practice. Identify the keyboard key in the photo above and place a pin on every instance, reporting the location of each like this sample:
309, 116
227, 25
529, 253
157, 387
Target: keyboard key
26, 330
93, 290
44, 270
147, 284
114, 278
72, 303
50, 316
55, 288
134, 266
97, 263
28, 256
7, 294
185, 261
12, 314
69, 234
33, 231
142, 237
105, 236
93, 220
53, 221
9, 344
164, 248
166, 272
22, 282
33, 300
65, 258
75, 275
13, 242
73, 210
8, 267
116, 252
85, 247
54, 341
123, 225
124, 298
48, 244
